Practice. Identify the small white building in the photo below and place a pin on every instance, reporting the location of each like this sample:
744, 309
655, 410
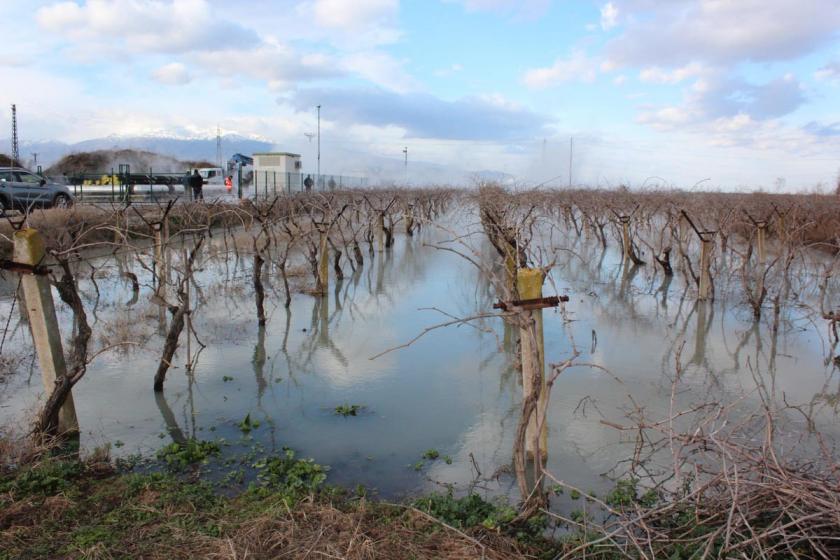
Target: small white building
276, 173
281, 162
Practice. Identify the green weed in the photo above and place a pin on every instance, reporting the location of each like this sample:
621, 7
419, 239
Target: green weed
348, 410
178, 456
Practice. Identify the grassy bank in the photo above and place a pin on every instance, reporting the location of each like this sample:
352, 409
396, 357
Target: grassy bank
56, 506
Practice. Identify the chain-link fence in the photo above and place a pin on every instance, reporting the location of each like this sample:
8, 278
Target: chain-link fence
124, 186
268, 184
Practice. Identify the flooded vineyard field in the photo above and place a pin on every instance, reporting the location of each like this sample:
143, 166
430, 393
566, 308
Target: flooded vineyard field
442, 410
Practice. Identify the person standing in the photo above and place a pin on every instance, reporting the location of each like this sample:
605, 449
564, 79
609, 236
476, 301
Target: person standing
197, 185
308, 183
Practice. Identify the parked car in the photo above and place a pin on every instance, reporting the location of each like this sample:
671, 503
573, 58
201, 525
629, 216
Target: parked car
21, 189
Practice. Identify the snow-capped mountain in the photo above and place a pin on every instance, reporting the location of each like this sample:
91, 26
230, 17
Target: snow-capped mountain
187, 145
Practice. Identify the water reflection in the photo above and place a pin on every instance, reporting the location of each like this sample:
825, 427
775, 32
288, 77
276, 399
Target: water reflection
456, 390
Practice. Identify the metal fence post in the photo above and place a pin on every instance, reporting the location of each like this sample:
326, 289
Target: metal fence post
239, 180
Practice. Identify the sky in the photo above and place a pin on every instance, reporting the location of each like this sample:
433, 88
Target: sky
695, 93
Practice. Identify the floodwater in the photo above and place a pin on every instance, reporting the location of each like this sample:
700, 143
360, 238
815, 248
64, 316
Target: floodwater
455, 389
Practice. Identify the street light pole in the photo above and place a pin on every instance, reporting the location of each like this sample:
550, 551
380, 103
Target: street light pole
319, 143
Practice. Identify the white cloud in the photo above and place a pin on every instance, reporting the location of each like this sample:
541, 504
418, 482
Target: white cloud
658, 75
277, 64
577, 67
356, 25
98, 27
668, 118
717, 95
518, 8
609, 16
380, 68
173, 74
830, 72
341, 14
421, 115
722, 31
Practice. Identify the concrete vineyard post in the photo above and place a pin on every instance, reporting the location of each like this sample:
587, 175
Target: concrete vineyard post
762, 257
704, 291
159, 279
762, 249
409, 222
29, 249
167, 257
380, 232
529, 286
324, 263
625, 238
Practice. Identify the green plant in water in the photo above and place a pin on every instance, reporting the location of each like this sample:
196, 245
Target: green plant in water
470, 511
247, 424
179, 455
431, 454
348, 409
626, 493
287, 476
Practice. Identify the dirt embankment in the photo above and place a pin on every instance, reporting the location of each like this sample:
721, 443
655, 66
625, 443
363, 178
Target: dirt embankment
104, 161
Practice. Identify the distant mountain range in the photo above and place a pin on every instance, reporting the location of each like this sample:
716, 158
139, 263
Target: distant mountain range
335, 160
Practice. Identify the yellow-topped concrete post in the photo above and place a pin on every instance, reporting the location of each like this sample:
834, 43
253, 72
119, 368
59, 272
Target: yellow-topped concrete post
37, 294
529, 283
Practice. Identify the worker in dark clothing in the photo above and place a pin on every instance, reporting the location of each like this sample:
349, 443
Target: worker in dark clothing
197, 185
308, 183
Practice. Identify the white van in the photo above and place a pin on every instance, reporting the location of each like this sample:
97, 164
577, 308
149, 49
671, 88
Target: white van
211, 175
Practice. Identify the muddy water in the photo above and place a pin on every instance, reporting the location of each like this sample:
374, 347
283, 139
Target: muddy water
455, 390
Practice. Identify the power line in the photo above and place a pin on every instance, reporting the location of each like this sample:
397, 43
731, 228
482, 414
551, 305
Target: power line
319, 142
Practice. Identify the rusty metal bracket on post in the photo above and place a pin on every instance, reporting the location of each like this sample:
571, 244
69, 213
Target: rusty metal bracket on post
23, 268
530, 304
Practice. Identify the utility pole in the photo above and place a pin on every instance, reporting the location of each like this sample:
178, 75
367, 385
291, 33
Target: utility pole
15, 148
219, 147
571, 155
405, 151
319, 143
